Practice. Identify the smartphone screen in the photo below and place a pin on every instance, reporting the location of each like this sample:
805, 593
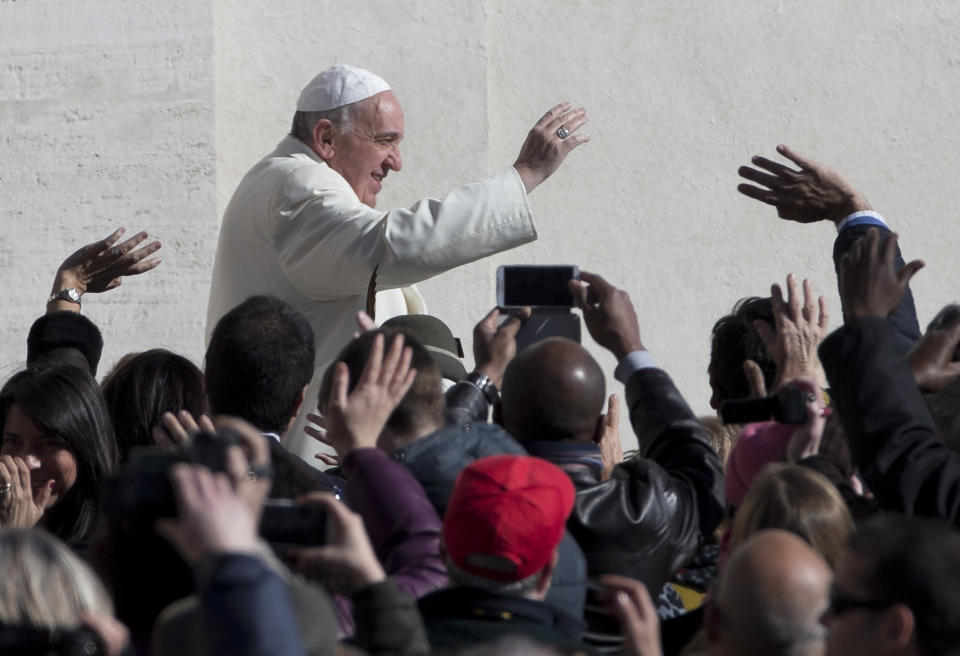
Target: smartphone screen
535, 285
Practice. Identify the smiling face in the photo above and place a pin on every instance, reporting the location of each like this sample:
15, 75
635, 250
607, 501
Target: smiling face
47, 456
371, 149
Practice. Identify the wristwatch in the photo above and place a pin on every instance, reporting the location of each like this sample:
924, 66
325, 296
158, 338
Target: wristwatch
69, 294
483, 383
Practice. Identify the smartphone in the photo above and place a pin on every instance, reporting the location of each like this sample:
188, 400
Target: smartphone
786, 407
284, 522
548, 323
520, 285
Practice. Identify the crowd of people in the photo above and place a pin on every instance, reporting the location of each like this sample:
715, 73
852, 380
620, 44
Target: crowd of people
491, 511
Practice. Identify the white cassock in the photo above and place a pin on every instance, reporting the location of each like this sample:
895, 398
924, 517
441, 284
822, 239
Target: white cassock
295, 229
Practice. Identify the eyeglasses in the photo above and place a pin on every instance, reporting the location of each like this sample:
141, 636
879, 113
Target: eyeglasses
840, 603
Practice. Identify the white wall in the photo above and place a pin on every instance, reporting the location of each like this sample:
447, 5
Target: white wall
173, 96
107, 111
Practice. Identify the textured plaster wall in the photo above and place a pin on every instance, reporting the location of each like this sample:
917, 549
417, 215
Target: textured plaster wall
107, 114
148, 114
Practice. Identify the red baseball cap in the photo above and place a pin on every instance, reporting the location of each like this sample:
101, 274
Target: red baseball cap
506, 516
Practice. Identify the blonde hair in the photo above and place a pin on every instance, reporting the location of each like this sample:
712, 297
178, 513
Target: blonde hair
44, 585
799, 500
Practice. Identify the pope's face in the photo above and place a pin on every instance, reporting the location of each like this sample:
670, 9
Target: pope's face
371, 149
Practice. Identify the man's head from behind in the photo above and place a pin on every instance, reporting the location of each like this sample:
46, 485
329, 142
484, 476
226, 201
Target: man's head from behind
771, 594
421, 410
506, 516
553, 390
352, 120
896, 590
259, 362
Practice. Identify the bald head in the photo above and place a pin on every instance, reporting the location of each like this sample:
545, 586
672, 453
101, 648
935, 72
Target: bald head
772, 593
553, 390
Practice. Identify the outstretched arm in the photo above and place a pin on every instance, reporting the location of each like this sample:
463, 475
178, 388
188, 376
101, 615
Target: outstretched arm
673, 491
98, 267
813, 192
402, 524
892, 435
493, 348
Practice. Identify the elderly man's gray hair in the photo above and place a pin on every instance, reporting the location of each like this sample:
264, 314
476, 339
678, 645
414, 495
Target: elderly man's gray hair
304, 122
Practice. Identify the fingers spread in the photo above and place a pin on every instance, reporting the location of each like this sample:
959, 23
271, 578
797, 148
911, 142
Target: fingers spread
759, 177
552, 113
795, 157
762, 195
809, 307
824, 319
318, 435
776, 168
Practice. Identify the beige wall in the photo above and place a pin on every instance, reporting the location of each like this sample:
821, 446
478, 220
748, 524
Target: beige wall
147, 114
107, 114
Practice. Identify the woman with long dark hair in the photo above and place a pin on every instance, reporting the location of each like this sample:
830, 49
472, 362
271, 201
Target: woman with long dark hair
56, 447
143, 386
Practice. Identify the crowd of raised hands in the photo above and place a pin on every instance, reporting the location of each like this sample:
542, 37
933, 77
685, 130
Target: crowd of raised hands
133, 513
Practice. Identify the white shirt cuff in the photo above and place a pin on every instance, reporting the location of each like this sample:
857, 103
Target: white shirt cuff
857, 218
631, 362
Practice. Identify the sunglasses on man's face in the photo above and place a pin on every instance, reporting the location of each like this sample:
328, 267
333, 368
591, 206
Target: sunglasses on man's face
840, 603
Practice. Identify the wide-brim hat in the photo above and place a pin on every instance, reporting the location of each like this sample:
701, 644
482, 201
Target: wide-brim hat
437, 338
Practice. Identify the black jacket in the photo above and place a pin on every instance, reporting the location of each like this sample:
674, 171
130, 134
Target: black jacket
293, 477
647, 519
461, 616
892, 436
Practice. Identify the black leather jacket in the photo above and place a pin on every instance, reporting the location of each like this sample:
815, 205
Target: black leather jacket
646, 521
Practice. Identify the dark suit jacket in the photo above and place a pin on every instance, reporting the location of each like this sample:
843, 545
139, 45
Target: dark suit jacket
892, 435
904, 317
292, 477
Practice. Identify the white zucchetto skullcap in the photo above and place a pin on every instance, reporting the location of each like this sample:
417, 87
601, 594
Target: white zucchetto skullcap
339, 85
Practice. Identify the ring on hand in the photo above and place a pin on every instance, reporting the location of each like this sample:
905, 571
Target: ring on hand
5, 489
116, 252
562, 132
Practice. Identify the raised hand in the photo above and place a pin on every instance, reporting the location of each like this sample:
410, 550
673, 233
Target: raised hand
248, 462
611, 448
806, 438
177, 429
812, 193
932, 358
628, 600
354, 421
494, 346
549, 142
101, 265
20, 505
870, 286
798, 331
608, 313
347, 563
211, 518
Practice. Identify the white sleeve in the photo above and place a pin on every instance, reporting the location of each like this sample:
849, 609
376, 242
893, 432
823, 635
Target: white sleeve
329, 242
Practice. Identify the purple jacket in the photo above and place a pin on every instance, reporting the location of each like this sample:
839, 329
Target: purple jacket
402, 524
